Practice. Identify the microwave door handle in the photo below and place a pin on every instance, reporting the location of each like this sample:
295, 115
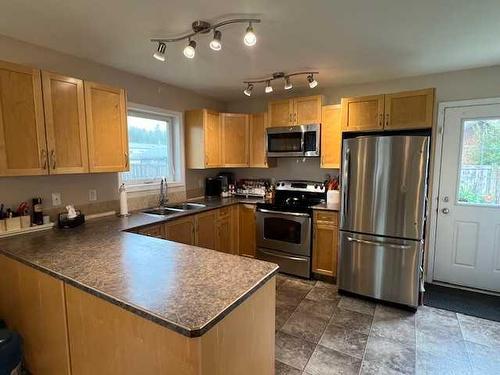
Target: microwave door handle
345, 181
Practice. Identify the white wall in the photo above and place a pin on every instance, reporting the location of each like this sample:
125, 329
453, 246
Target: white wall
74, 188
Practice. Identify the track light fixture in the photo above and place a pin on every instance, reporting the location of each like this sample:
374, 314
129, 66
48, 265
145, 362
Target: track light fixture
280, 75
203, 27
312, 82
189, 50
248, 90
160, 52
216, 44
269, 88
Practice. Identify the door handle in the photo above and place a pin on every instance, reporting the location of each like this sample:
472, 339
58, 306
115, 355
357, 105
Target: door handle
386, 119
53, 159
445, 211
44, 159
378, 243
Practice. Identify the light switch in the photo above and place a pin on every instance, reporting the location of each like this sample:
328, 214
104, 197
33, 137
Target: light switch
56, 199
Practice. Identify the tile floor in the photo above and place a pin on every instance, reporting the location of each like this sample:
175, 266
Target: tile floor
319, 332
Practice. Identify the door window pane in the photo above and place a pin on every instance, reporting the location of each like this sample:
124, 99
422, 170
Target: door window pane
479, 181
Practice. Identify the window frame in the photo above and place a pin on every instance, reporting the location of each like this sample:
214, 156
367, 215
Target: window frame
177, 147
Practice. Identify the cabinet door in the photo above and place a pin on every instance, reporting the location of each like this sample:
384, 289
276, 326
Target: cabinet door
331, 137
258, 124
234, 140
247, 230
325, 243
307, 110
64, 106
223, 238
206, 227
181, 230
280, 112
152, 231
106, 128
409, 109
23, 148
213, 137
364, 113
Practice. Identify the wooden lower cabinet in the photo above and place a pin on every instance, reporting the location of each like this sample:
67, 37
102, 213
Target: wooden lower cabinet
151, 231
32, 303
325, 243
247, 230
206, 227
181, 230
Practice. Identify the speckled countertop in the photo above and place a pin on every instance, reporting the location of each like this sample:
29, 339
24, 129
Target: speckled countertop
325, 207
185, 288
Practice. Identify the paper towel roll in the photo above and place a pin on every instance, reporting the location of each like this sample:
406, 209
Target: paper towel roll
123, 201
333, 199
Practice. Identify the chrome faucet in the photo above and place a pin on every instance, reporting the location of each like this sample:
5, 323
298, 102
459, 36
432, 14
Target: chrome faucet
163, 199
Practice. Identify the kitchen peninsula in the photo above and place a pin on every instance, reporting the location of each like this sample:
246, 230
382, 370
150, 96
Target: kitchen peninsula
98, 299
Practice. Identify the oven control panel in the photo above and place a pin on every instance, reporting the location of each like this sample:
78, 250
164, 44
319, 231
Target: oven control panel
306, 186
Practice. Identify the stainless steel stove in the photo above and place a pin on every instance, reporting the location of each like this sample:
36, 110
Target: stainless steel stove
284, 226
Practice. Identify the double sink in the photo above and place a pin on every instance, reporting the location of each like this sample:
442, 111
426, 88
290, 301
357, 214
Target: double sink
174, 209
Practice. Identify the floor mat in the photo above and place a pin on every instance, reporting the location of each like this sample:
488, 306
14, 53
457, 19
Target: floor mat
463, 301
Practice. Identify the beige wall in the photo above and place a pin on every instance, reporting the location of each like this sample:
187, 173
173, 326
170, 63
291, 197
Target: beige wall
74, 188
463, 84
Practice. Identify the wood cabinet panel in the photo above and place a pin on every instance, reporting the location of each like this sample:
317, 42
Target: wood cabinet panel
206, 229
181, 230
224, 236
152, 231
64, 106
32, 303
409, 109
106, 128
325, 243
258, 125
307, 110
364, 113
331, 137
23, 149
280, 112
213, 138
234, 139
247, 235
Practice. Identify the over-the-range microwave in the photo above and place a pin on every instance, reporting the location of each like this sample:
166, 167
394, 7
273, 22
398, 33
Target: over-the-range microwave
293, 141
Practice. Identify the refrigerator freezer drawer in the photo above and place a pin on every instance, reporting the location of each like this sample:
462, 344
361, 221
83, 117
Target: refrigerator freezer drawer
384, 268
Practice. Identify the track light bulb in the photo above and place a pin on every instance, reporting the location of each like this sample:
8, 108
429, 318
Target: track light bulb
269, 88
216, 44
312, 82
288, 84
189, 50
160, 52
248, 90
250, 39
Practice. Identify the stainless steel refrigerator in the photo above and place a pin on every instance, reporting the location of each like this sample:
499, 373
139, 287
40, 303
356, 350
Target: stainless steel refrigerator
384, 190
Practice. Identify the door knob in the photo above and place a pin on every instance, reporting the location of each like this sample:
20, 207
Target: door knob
445, 211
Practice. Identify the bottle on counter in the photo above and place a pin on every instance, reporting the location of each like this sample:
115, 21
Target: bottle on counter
37, 211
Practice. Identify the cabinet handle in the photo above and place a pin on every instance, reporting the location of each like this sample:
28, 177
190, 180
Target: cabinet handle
44, 159
386, 119
53, 159
126, 160
294, 118
381, 120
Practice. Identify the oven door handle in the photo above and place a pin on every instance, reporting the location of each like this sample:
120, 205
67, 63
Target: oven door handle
289, 257
266, 211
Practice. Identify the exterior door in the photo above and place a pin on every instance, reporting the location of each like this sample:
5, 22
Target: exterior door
468, 224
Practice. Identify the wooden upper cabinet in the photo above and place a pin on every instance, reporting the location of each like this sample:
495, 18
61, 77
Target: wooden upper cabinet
234, 139
295, 111
364, 113
106, 113
307, 110
280, 112
23, 149
203, 136
64, 106
258, 125
331, 137
206, 227
409, 109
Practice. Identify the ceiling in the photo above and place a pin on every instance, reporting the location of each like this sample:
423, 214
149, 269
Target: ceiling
347, 41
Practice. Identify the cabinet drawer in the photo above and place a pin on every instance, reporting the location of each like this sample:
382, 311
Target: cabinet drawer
224, 212
327, 217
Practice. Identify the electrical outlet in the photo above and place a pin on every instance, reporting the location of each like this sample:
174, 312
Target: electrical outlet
92, 195
56, 199
200, 183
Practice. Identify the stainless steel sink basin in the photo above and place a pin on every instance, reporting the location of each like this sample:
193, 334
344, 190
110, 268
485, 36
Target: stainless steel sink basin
186, 206
174, 209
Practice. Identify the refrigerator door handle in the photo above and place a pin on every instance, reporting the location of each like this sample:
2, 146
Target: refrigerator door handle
378, 243
345, 182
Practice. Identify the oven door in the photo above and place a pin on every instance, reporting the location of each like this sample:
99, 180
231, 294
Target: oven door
289, 232
285, 141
